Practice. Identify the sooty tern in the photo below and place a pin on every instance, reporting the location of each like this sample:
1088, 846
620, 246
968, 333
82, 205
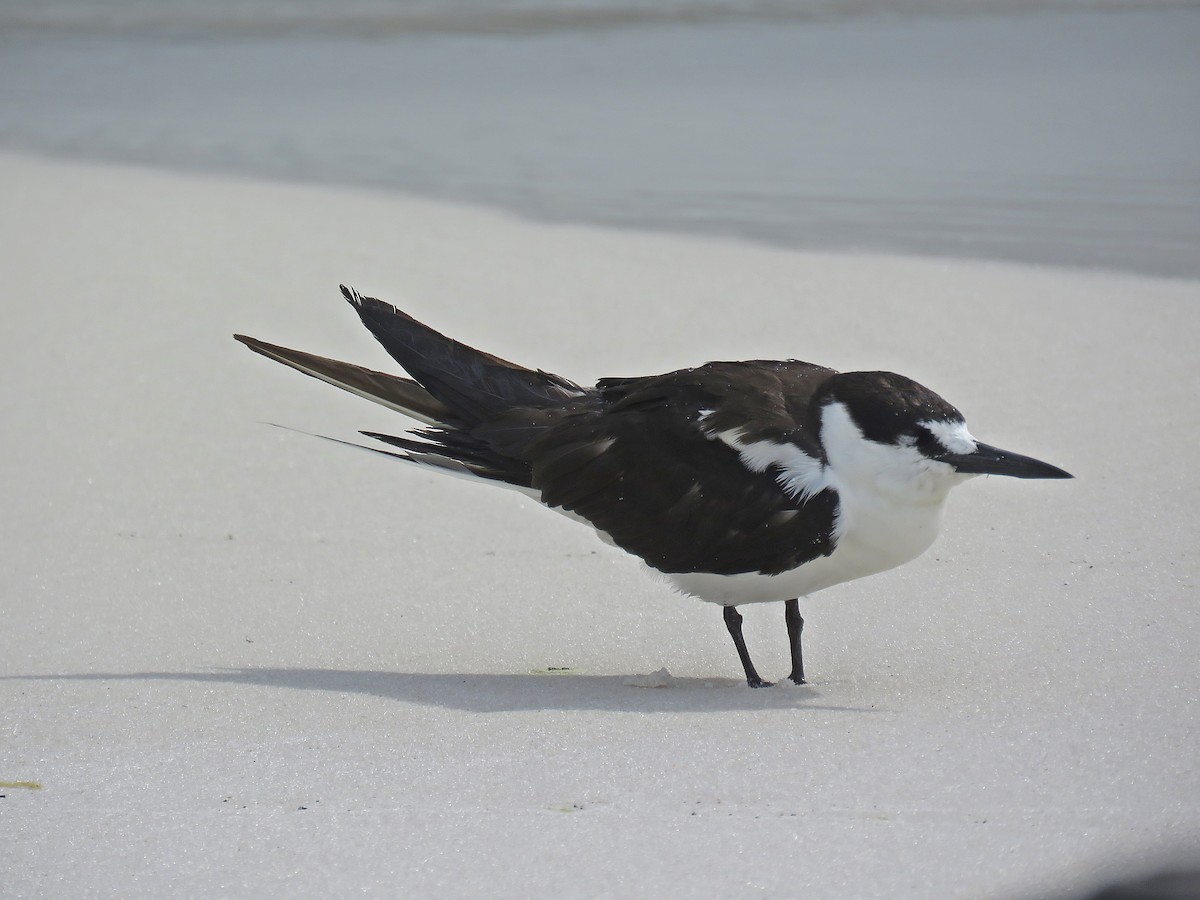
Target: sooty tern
740, 482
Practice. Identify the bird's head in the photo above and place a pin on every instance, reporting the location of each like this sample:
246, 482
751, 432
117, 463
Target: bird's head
886, 429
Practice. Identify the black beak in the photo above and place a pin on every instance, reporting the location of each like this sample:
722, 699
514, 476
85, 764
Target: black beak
988, 460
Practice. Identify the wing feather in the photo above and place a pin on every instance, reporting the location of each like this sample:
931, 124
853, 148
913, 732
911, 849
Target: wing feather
642, 468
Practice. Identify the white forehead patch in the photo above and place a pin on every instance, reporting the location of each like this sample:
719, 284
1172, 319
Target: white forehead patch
952, 435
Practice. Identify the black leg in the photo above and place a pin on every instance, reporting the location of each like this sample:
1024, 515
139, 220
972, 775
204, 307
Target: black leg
733, 621
795, 627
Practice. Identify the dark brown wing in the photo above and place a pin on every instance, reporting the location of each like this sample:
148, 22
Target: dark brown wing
640, 463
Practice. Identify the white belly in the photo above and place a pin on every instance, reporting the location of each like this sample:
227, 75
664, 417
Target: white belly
878, 536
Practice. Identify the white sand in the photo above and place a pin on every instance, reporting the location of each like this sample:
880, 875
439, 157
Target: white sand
244, 663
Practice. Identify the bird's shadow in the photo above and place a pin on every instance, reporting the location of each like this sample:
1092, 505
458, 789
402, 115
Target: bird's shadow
473, 692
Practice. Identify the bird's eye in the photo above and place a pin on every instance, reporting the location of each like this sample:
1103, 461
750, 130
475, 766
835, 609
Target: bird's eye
927, 443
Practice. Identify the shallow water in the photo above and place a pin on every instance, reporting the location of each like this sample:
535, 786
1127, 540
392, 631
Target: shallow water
1049, 136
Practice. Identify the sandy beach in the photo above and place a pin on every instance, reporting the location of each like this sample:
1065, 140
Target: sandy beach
240, 662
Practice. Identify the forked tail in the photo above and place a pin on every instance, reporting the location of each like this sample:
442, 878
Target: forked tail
454, 389
474, 386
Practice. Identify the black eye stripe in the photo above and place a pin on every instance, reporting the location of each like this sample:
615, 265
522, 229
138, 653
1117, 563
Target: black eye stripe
927, 443
887, 407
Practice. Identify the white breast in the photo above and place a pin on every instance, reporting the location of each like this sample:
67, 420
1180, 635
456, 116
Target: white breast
890, 502
877, 537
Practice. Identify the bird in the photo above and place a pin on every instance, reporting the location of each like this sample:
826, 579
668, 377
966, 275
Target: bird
738, 482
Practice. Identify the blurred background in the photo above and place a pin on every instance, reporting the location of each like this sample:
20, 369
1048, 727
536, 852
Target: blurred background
1046, 131
241, 617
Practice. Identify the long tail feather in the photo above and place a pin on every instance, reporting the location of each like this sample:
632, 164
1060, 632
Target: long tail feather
427, 456
455, 389
476, 386
400, 394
